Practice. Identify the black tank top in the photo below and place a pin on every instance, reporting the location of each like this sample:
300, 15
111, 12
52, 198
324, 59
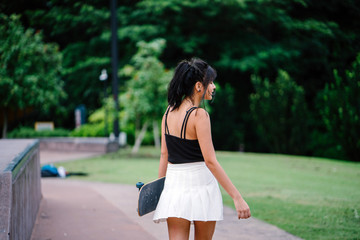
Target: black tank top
180, 149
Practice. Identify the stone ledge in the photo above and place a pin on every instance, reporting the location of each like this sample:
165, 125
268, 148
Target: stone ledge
20, 188
101, 145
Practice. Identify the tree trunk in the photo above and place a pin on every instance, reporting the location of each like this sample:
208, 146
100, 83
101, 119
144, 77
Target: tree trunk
137, 125
4, 132
139, 138
156, 134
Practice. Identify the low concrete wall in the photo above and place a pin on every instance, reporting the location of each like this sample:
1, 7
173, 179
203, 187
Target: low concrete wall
101, 145
20, 188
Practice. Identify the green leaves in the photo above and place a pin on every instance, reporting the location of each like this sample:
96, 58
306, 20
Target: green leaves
145, 91
29, 68
339, 107
240, 38
280, 113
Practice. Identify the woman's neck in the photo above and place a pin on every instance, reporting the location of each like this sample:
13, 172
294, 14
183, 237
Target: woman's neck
194, 102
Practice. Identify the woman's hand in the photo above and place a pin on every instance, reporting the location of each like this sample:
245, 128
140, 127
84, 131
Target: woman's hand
242, 208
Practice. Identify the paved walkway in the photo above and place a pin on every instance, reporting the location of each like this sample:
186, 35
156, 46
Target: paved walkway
87, 210
47, 156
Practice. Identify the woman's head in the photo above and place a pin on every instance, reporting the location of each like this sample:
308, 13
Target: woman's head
188, 76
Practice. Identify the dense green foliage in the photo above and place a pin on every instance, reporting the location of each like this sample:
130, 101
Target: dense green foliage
89, 130
225, 105
82, 31
29, 69
95, 127
312, 198
27, 132
144, 98
340, 109
306, 38
280, 114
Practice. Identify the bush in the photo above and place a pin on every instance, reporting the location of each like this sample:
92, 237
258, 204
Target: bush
98, 130
89, 130
28, 132
280, 114
228, 129
339, 106
323, 144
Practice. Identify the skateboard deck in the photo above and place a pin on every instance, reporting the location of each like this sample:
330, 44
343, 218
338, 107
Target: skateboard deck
149, 195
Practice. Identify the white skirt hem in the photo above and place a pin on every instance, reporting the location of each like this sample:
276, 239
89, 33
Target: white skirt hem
190, 220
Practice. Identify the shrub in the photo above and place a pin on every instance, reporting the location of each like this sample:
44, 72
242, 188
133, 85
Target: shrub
323, 144
228, 129
89, 130
98, 130
339, 106
280, 114
28, 132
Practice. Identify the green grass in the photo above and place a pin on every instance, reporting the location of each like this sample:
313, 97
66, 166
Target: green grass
120, 167
312, 198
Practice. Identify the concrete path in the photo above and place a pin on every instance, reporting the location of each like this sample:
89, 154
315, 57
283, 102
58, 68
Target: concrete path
47, 156
87, 210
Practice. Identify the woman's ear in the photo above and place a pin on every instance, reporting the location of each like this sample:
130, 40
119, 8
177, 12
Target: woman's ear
198, 86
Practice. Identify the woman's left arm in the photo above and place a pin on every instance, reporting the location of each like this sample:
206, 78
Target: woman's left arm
203, 132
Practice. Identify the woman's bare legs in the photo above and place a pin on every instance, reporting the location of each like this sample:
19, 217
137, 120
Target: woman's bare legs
204, 230
178, 228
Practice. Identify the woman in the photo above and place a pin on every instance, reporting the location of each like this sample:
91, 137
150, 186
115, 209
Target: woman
191, 192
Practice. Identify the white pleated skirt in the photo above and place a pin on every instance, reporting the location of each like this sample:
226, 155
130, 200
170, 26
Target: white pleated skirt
190, 192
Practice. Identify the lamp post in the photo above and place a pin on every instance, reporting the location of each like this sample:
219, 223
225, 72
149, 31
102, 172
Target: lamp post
114, 65
103, 77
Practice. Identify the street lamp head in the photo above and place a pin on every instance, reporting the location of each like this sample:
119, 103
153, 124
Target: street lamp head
103, 76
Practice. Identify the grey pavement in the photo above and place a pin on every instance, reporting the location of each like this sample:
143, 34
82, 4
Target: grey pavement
47, 156
90, 210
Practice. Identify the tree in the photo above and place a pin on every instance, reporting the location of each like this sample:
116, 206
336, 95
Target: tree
280, 113
29, 69
339, 107
306, 38
241, 38
144, 99
230, 135
82, 31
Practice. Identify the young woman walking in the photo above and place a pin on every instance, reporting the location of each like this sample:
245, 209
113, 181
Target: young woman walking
191, 193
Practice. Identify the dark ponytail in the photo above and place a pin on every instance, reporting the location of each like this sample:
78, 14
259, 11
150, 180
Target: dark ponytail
187, 73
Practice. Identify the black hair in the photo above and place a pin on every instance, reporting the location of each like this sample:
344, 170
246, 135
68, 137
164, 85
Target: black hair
187, 73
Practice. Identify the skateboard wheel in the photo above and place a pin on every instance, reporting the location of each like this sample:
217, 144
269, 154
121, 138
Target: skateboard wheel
139, 185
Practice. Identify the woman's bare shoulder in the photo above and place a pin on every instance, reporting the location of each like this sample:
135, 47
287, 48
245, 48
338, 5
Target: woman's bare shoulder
166, 112
202, 114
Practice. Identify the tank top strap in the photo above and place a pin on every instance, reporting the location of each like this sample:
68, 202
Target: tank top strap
166, 126
183, 127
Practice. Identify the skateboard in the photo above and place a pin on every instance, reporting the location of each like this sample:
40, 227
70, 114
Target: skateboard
149, 195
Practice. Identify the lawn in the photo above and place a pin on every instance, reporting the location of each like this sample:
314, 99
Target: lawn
313, 198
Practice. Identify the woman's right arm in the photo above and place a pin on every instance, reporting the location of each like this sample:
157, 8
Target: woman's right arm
164, 152
203, 132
